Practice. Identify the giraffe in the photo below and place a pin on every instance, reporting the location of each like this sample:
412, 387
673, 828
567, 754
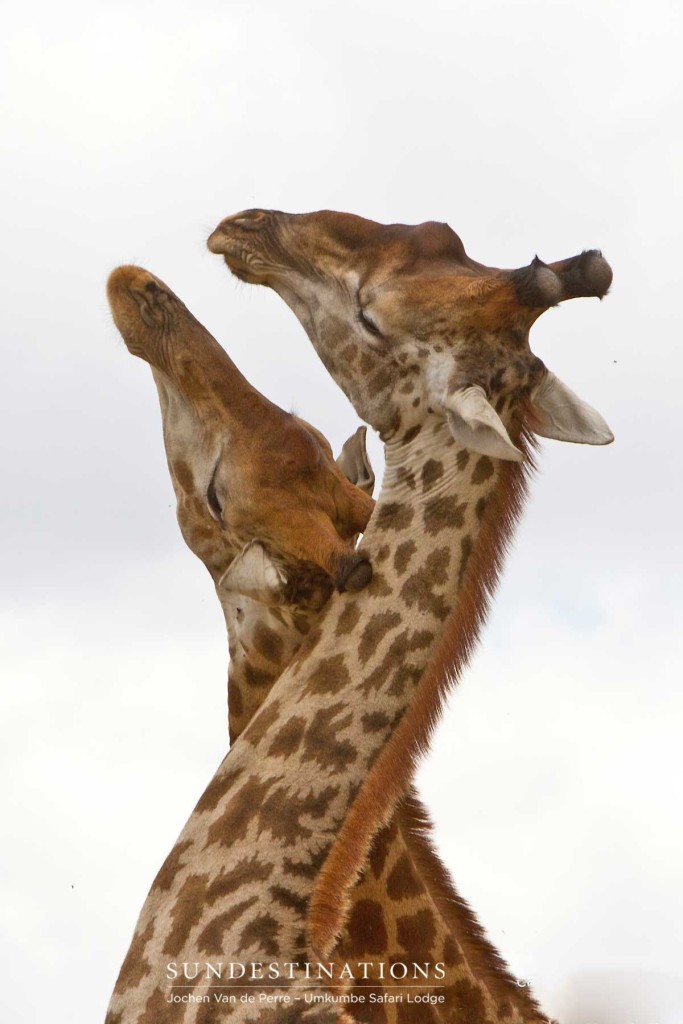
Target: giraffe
400, 284
433, 350
218, 435
267, 620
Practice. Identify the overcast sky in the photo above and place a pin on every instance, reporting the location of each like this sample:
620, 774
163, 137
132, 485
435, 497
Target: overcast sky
130, 130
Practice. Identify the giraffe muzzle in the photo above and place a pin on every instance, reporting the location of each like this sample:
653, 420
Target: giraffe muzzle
354, 574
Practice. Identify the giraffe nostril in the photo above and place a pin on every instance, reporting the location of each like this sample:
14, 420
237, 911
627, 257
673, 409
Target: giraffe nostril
146, 312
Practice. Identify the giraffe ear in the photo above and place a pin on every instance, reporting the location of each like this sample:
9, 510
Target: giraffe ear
354, 462
562, 415
475, 424
254, 574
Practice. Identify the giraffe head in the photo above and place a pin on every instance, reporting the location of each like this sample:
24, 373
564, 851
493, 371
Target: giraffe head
260, 498
410, 327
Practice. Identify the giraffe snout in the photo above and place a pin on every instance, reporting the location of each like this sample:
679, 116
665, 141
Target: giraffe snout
354, 574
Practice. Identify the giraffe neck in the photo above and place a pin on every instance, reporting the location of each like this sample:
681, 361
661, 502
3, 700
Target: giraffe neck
404, 881
296, 805
353, 709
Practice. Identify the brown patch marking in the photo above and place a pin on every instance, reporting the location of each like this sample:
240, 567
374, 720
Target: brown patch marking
186, 913
268, 643
281, 813
451, 955
466, 547
366, 927
393, 515
443, 513
227, 883
374, 721
406, 476
392, 661
466, 1002
235, 700
211, 938
238, 813
416, 932
348, 619
329, 676
183, 474
262, 931
374, 632
306, 869
411, 434
431, 472
382, 555
380, 848
402, 881
156, 1009
291, 900
216, 791
483, 470
288, 739
404, 552
418, 589
321, 744
259, 676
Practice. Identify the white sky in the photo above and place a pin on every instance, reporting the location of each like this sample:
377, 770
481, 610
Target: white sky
130, 130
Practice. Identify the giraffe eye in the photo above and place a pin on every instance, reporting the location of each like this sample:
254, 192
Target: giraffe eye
212, 499
369, 325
